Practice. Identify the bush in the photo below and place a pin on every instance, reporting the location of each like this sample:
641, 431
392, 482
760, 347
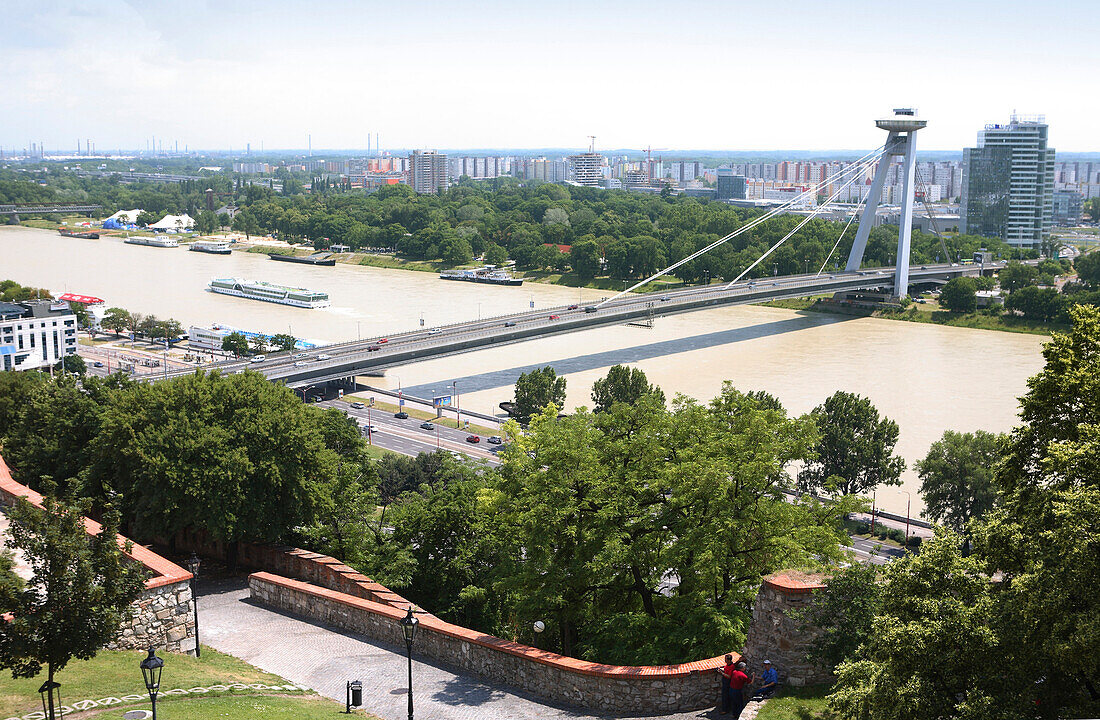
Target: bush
914, 542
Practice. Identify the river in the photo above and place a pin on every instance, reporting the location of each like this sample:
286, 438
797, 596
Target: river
929, 378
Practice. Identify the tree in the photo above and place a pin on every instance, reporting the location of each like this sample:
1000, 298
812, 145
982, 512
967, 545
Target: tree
72, 364
537, 389
117, 319
495, 255
145, 218
854, 455
1088, 267
1039, 304
235, 343
1042, 536
457, 251
844, 613
16, 390
957, 478
584, 256
207, 222
284, 341
922, 660
1092, 207
622, 384
77, 595
1017, 275
258, 343
959, 295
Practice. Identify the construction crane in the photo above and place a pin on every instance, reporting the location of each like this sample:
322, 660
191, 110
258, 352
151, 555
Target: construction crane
591, 143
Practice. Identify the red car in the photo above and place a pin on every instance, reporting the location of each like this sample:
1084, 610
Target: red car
373, 348
555, 317
572, 307
473, 438
383, 340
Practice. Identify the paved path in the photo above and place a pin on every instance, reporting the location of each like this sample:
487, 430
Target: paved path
323, 658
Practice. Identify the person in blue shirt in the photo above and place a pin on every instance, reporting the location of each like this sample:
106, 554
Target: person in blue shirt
769, 680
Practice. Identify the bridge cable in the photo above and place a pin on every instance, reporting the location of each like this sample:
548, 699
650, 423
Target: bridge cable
748, 226
802, 224
932, 215
847, 225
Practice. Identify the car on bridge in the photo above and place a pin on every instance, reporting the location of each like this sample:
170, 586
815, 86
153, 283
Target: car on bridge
300, 363
373, 348
510, 323
572, 307
382, 341
555, 317
323, 356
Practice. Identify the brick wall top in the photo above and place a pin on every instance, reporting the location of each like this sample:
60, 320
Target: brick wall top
431, 623
793, 582
165, 572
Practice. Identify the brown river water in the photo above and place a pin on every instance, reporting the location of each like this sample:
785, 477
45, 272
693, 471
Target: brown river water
928, 378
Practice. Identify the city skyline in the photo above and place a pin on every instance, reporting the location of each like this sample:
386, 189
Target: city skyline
700, 76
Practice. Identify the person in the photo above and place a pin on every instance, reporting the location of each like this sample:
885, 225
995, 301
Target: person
727, 673
738, 681
770, 681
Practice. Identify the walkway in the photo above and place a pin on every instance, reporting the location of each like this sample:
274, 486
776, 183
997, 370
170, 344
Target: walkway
313, 655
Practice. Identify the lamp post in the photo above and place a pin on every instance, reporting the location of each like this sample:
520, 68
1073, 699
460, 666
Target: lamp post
409, 624
193, 563
458, 407
51, 698
151, 668
874, 496
908, 501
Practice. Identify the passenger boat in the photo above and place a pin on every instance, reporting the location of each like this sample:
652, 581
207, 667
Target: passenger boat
86, 235
320, 259
270, 292
489, 274
155, 241
214, 247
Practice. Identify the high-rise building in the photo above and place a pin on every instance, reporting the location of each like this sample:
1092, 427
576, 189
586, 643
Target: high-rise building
585, 169
1008, 183
428, 172
1068, 205
730, 186
35, 334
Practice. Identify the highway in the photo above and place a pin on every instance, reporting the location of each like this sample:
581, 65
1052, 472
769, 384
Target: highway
344, 360
405, 436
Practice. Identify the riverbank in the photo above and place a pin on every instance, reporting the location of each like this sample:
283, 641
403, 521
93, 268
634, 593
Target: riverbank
927, 313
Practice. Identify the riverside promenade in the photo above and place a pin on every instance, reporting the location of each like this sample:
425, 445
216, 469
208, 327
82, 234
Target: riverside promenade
324, 659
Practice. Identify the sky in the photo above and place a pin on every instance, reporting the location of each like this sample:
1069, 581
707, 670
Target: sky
797, 74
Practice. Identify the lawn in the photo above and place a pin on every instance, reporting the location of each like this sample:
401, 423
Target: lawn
794, 703
244, 708
116, 673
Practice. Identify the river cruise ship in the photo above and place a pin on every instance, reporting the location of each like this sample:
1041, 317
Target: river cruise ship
270, 292
154, 241
488, 274
214, 247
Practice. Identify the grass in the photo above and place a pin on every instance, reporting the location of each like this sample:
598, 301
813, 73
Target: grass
244, 708
114, 673
376, 453
420, 414
798, 703
390, 262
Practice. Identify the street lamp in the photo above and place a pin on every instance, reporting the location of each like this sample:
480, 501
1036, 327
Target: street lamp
151, 668
51, 698
193, 563
409, 624
458, 406
908, 501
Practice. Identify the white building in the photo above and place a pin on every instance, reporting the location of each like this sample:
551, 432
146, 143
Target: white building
35, 334
586, 168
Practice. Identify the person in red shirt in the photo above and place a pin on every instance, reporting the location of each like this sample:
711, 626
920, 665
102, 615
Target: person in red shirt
738, 681
726, 673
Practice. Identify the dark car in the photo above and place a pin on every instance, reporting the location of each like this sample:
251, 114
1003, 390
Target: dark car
401, 415
510, 323
473, 438
572, 307
427, 426
590, 309
373, 348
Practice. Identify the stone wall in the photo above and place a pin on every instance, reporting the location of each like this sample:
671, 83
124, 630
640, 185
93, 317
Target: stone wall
564, 680
163, 616
774, 634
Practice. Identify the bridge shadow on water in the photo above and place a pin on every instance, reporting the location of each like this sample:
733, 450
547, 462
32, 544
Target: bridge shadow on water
622, 356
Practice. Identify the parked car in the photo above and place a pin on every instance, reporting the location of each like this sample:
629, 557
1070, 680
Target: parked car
257, 359
494, 440
473, 438
401, 415
358, 405
427, 426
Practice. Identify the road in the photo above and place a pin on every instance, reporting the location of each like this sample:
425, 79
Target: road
406, 436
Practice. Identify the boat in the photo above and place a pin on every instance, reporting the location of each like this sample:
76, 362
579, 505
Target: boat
215, 247
489, 274
155, 241
86, 235
270, 292
318, 259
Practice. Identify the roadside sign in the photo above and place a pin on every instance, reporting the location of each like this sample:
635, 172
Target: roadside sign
441, 401
341, 391
371, 401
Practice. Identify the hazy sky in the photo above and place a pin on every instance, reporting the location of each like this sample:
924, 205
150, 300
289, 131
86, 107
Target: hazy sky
791, 74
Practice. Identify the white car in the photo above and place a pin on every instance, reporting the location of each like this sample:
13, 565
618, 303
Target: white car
257, 359
300, 363
322, 356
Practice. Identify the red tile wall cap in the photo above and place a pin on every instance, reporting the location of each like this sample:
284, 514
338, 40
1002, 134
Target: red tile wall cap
793, 582
430, 622
165, 572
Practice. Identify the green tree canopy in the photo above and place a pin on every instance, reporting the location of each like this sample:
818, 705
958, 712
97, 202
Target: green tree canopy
622, 384
855, 452
283, 341
1088, 268
235, 343
957, 478
537, 389
1014, 276
958, 295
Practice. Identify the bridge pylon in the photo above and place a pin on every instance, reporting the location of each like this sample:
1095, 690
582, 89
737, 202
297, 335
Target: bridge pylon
902, 127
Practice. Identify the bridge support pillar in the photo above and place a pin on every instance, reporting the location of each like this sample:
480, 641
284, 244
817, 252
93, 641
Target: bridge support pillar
14, 219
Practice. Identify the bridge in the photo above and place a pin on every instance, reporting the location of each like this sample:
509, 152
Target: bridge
342, 361
13, 211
